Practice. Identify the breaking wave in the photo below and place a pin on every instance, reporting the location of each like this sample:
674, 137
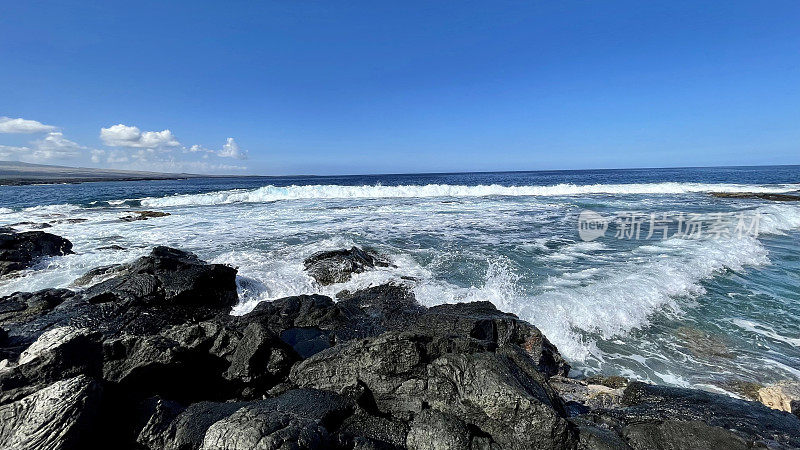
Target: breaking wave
277, 193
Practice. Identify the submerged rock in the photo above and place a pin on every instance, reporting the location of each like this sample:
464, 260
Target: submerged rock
111, 247
758, 195
21, 250
704, 344
143, 215
338, 266
31, 225
71, 220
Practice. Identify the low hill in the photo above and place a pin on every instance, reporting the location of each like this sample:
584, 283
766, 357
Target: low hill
16, 173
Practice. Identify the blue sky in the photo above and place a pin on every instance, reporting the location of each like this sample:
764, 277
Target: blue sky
385, 87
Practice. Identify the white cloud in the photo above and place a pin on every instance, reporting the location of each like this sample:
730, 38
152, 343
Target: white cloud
124, 136
8, 151
9, 125
54, 146
231, 150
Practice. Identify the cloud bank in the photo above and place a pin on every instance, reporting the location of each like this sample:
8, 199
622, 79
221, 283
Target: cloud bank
125, 147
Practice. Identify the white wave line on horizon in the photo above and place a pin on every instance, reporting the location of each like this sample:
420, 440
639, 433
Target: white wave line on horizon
275, 193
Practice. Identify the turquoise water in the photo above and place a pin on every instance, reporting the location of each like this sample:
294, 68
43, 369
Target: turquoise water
710, 312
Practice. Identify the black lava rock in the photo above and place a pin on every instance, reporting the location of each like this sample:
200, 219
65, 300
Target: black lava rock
21, 250
337, 266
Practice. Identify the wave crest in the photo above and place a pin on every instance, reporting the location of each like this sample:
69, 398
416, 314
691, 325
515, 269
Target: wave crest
276, 193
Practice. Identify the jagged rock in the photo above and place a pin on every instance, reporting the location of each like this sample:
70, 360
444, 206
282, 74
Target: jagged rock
187, 428
682, 435
378, 431
784, 396
260, 358
57, 354
433, 430
498, 391
301, 418
312, 323
21, 250
169, 276
302, 311
483, 321
381, 308
297, 419
23, 306
338, 266
98, 274
59, 416
206, 361
144, 297
598, 436
157, 415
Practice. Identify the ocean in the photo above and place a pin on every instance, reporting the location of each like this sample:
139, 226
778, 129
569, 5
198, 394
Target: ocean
710, 310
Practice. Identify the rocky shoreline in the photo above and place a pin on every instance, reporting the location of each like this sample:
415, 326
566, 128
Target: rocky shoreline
146, 355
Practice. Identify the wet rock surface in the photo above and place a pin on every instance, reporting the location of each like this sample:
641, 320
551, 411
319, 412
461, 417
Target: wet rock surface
145, 355
142, 215
338, 266
22, 250
758, 195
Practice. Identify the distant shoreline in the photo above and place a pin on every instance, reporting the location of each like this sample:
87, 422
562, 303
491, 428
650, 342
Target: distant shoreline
14, 173
33, 181
25, 174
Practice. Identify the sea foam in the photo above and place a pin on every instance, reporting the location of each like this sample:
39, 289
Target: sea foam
277, 193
